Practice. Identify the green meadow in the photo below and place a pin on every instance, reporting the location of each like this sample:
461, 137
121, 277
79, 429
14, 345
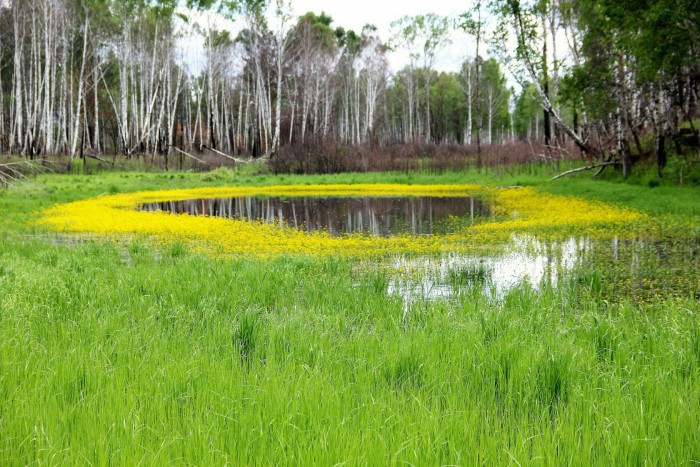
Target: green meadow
124, 352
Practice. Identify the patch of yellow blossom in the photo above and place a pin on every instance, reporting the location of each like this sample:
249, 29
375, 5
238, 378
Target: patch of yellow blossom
518, 210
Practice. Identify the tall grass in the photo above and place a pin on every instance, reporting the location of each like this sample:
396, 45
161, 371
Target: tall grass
122, 357
126, 354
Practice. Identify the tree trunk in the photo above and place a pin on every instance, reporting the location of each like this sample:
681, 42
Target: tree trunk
124, 90
278, 103
489, 133
17, 125
468, 133
545, 71
660, 153
621, 121
96, 129
81, 79
478, 102
427, 106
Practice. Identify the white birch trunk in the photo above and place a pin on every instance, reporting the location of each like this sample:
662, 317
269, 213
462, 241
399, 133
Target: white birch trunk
124, 90
47, 116
239, 120
278, 103
489, 134
17, 126
96, 129
468, 134
76, 128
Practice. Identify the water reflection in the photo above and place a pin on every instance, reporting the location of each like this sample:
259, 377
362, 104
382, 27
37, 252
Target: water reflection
526, 261
638, 269
380, 216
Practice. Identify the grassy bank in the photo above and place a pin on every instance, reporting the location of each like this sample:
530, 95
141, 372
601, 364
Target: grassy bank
124, 353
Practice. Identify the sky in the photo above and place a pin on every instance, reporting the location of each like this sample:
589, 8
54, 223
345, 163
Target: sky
354, 14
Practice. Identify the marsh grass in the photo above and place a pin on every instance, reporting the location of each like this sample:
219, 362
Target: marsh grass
185, 359
124, 353
468, 275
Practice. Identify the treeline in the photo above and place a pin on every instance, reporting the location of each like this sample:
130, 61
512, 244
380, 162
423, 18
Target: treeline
99, 77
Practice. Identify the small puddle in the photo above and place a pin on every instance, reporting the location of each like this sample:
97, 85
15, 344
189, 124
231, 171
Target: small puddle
527, 260
633, 269
379, 216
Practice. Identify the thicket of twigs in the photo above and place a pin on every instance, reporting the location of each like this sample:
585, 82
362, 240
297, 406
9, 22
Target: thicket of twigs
20, 171
315, 157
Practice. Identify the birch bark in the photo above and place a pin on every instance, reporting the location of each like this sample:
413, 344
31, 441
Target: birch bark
81, 79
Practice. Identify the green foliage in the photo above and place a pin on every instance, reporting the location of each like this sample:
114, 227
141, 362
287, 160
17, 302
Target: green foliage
349, 40
448, 107
449, 103
472, 22
226, 7
494, 86
218, 39
420, 35
320, 28
526, 111
630, 31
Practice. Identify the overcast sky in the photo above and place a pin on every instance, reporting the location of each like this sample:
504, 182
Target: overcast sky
354, 14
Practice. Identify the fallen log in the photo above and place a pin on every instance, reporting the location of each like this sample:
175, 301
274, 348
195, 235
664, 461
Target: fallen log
190, 155
583, 169
98, 159
235, 159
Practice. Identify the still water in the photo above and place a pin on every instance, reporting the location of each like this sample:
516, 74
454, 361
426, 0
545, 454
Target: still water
379, 216
526, 260
612, 269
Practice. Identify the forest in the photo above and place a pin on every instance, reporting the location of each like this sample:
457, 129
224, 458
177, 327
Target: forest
606, 82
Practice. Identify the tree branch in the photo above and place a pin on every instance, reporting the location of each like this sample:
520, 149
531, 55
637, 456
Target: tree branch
583, 169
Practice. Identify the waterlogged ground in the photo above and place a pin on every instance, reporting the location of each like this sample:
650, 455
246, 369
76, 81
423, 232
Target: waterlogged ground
431, 238
560, 331
636, 269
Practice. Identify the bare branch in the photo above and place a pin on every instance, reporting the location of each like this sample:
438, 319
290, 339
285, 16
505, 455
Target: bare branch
583, 169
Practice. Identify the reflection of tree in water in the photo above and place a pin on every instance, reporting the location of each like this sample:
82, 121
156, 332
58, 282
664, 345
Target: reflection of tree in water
377, 215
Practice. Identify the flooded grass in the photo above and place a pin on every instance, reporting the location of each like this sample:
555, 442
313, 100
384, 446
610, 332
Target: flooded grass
636, 270
177, 358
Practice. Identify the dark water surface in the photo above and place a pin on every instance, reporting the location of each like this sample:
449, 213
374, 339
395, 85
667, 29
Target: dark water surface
380, 216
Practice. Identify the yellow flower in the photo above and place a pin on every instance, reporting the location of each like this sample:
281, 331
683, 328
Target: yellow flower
518, 210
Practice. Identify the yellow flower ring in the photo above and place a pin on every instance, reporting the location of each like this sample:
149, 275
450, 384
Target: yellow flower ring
518, 210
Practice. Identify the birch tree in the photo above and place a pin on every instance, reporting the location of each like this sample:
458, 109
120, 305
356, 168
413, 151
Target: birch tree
473, 23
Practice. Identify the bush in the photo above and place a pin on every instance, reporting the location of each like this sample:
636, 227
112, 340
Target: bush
318, 157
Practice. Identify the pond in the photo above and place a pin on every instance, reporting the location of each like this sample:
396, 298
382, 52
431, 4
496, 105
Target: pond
373, 215
526, 260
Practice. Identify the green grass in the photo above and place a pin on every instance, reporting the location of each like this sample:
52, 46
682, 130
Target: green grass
126, 354
682, 201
